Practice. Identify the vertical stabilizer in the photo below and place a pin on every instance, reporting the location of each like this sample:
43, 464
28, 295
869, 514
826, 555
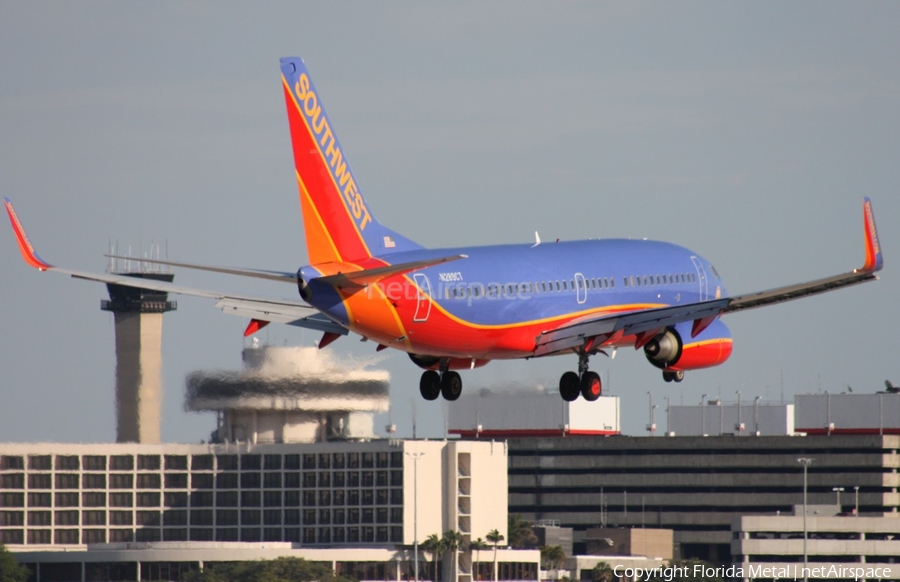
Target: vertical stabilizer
338, 221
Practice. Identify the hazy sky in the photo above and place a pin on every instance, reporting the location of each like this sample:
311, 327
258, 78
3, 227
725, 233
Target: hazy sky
748, 132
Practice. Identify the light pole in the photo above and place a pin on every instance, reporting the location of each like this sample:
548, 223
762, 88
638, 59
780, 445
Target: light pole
838, 491
805, 461
415, 457
856, 505
703, 415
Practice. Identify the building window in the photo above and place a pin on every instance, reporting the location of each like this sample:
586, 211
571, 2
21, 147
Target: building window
201, 517
39, 536
93, 462
176, 462
250, 498
309, 517
227, 535
149, 518
147, 535
397, 478
368, 460
382, 460
325, 498
66, 536
292, 517
272, 481
63, 481
272, 534
292, 499
202, 481
66, 518
337, 497
39, 462
175, 535
93, 499
93, 481
148, 499
93, 518
353, 497
121, 500
324, 516
226, 517
251, 463
66, 463
226, 481
174, 499
337, 479
12, 536
396, 496
227, 462
226, 499
34, 500
121, 463
37, 518
251, 517
93, 536
121, 481
121, 517
325, 479
291, 480
175, 517
250, 481
12, 518
148, 481
202, 499
338, 461
309, 498
42, 481
309, 479
121, 535
339, 516
368, 515
272, 499
309, 461
353, 515
201, 534
148, 463
272, 462
176, 480
202, 462
250, 534
353, 460
66, 500
17, 499
291, 462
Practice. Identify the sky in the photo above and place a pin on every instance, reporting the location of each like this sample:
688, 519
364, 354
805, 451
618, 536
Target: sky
748, 132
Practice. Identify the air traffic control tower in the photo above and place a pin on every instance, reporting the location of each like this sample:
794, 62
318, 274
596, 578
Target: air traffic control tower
138, 314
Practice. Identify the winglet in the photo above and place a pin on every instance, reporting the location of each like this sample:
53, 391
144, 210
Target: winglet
28, 253
874, 261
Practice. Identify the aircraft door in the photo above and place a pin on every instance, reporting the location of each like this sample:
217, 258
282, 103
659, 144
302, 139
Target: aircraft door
701, 277
580, 288
423, 297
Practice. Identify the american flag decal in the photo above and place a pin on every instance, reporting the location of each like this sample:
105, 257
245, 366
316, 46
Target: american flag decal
389, 243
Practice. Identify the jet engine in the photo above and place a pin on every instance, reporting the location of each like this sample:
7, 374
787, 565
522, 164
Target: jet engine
675, 349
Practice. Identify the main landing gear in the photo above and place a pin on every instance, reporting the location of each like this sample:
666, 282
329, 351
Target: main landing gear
446, 383
673, 376
585, 382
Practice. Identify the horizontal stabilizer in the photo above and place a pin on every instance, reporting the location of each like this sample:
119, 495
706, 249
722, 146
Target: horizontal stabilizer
367, 276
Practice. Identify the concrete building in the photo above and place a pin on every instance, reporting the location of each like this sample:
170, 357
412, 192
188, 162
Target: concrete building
715, 417
138, 316
377, 494
695, 486
825, 414
838, 548
644, 541
498, 414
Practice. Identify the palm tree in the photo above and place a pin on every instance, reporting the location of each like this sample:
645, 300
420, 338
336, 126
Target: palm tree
495, 537
453, 542
477, 545
552, 557
520, 533
602, 572
434, 545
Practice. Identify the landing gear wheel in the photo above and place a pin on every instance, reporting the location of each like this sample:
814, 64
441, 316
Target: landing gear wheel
569, 386
430, 385
673, 376
451, 385
591, 388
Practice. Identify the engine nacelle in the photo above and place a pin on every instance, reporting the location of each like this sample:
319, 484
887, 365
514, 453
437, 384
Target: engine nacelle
675, 350
434, 362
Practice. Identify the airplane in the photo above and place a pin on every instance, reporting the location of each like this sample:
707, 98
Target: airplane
459, 308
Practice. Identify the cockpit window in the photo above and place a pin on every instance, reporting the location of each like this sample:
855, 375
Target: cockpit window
714, 272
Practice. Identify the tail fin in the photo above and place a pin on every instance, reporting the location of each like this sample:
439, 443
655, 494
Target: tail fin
339, 225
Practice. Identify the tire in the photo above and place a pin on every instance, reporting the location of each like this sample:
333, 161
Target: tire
591, 387
430, 385
451, 386
569, 387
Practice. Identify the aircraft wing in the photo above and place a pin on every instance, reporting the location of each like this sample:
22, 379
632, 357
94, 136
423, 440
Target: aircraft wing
285, 311
645, 323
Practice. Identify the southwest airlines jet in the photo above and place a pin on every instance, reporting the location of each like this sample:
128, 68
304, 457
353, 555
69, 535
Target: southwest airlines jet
453, 309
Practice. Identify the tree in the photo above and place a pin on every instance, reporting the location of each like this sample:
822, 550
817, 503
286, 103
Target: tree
603, 572
552, 557
453, 542
477, 545
495, 537
520, 533
10, 569
433, 545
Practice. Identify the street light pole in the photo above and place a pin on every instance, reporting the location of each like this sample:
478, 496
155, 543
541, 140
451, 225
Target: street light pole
415, 457
805, 461
838, 490
856, 505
